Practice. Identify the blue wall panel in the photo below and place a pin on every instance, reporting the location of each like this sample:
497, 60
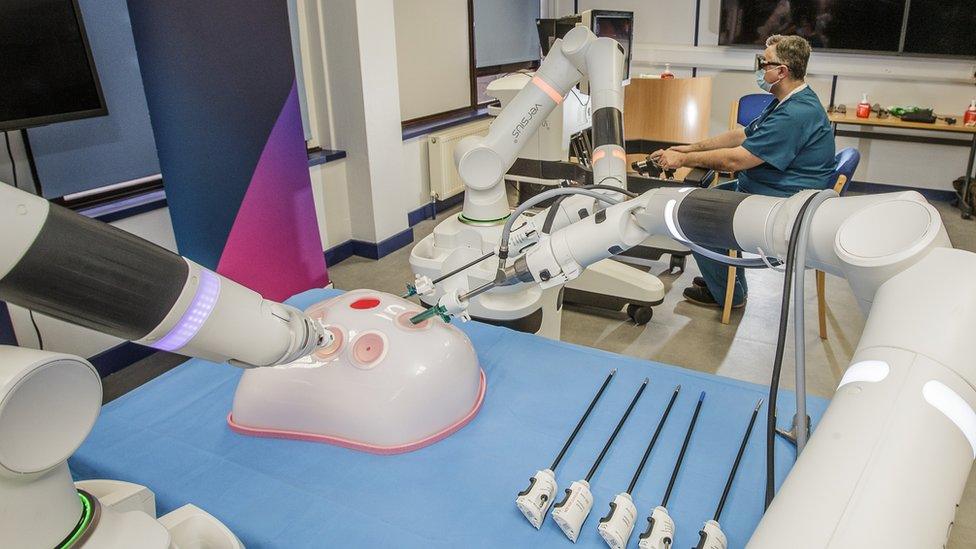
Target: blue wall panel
86, 154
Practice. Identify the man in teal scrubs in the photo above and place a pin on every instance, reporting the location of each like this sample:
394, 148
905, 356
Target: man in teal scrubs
789, 147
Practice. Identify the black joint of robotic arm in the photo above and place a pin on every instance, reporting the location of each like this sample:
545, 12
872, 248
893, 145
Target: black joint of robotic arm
700, 177
706, 217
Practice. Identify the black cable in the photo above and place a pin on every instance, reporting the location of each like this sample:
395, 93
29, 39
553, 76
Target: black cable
10, 153
551, 215
554, 207
612, 188
40, 340
575, 94
784, 314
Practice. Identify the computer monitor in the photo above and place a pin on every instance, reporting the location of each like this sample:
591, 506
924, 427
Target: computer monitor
47, 70
615, 24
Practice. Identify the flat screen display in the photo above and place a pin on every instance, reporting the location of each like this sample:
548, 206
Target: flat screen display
620, 27
46, 69
941, 27
872, 25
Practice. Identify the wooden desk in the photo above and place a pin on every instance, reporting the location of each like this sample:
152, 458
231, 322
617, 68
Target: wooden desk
968, 133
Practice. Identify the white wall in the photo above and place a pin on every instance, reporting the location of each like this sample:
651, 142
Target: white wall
432, 56
331, 195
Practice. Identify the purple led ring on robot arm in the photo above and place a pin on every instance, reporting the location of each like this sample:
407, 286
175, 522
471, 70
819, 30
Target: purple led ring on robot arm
195, 316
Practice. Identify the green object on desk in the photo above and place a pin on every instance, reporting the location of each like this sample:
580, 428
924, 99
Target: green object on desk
899, 111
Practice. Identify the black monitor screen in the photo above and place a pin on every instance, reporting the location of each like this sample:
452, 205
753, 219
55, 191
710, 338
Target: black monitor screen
46, 71
873, 25
620, 27
941, 27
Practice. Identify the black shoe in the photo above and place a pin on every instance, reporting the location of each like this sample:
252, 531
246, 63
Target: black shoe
701, 296
699, 281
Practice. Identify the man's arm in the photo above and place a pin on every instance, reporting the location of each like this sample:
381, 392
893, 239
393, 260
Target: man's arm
727, 140
731, 159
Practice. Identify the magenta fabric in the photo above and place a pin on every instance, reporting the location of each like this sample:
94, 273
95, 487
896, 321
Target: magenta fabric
274, 246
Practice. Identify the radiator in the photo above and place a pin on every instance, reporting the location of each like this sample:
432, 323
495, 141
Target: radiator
444, 179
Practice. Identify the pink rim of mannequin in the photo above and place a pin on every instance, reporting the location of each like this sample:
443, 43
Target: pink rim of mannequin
361, 446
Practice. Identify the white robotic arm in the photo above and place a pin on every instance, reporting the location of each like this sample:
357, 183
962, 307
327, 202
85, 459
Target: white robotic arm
483, 161
64, 265
866, 478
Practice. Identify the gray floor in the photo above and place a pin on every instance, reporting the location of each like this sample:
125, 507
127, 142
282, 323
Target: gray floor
692, 337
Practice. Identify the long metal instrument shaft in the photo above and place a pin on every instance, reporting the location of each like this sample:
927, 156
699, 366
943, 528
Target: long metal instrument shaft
650, 446
586, 414
478, 291
616, 430
463, 267
738, 459
684, 448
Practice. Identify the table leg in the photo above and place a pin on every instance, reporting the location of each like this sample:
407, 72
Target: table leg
964, 205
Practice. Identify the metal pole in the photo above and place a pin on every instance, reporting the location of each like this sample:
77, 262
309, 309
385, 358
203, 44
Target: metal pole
463, 267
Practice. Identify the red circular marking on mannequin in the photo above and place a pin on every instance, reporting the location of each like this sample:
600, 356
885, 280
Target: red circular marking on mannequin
365, 303
368, 348
331, 350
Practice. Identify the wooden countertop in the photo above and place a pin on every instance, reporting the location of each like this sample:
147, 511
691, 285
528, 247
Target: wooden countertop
894, 122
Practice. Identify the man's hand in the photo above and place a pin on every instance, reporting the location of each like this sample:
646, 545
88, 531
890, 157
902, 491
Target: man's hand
683, 148
668, 159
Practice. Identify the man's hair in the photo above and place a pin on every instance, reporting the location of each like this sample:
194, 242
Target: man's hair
793, 51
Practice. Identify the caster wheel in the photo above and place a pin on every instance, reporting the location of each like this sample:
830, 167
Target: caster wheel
639, 314
677, 264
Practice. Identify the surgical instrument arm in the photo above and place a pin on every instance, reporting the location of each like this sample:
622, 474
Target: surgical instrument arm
62, 264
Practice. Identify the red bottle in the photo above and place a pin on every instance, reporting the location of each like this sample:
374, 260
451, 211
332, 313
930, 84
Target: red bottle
969, 119
667, 71
864, 108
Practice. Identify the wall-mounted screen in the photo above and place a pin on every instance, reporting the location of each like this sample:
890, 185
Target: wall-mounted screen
872, 25
914, 27
941, 27
46, 74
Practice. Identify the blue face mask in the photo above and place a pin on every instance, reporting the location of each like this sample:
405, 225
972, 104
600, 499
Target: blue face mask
761, 80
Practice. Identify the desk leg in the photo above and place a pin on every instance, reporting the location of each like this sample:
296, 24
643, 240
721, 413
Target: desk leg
964, 205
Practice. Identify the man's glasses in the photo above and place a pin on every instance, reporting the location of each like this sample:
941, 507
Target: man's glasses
761, 63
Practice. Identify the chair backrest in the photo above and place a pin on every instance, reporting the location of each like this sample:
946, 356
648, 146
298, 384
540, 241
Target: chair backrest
847, 160
750, 106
